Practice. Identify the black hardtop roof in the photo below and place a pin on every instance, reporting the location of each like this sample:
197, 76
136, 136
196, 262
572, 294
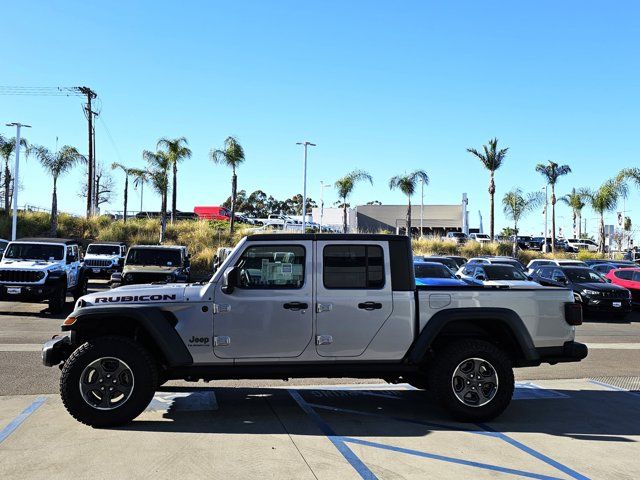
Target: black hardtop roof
380, 237
107, 243
173, 247
65, 241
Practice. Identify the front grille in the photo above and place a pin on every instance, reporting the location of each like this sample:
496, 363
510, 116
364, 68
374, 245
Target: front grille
614, 295
94, 262
20, 276
146, 277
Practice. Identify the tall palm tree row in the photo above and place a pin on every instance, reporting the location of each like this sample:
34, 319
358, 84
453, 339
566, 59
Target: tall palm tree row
7, 148
159, 164
575, 201
231, 155
552, 172
516, 205
407, 184
602, 200
57, 164
491, 159
345, 186
176, 150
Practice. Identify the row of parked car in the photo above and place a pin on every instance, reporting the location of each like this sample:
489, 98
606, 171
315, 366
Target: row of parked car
604, 286
540, 244
39, 269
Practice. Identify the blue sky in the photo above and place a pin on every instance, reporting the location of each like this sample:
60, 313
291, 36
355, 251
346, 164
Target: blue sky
383, 86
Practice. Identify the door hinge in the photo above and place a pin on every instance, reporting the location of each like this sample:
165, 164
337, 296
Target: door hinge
324, 340
323, 307
221, 341
221, 308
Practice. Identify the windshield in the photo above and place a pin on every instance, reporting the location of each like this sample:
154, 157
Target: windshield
154, 256
103, 250
503, 272
432, 271
449, 262
515, 264
34, 251
583, 275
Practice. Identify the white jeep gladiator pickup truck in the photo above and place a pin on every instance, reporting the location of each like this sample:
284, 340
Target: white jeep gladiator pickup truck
310, 305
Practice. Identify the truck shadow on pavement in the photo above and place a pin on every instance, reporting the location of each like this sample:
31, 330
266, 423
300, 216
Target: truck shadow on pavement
581, 414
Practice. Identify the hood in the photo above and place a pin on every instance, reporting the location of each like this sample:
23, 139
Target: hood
150, 269
441, 282
601, 287
135, 294
514, 283
101, 256
29, 264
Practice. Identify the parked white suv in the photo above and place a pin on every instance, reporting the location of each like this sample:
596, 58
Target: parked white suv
480, 237
104, 258
36, 269
577, 244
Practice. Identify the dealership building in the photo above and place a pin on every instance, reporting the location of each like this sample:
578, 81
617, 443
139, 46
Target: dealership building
436, 219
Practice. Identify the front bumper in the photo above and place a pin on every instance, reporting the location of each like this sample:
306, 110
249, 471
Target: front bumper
606, 305
102, 272
56, 350
26, 292
569, 352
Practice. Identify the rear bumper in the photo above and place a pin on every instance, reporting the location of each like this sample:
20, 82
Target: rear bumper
56, 350
569, 352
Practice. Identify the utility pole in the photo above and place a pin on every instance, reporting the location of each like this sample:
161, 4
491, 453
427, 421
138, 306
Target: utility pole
304, 186
14, 221
90, 96
546, 214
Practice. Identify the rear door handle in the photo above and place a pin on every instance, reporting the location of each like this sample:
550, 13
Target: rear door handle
370, 306
295, 306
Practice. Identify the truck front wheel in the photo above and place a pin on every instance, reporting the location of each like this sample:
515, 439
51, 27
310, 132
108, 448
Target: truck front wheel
108, 381
58, 299
473, 380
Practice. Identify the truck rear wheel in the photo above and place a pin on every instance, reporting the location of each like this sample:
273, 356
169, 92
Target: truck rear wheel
472, 380
108, 381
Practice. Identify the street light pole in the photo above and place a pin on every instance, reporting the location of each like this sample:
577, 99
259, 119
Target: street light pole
546, 213
421, 207
304, 185
14, 222
322, 187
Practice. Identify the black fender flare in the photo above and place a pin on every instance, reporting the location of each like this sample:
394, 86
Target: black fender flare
507, 317
156, 323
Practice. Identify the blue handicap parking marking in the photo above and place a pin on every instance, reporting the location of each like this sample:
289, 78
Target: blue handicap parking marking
19, 420
524, 391
183, 402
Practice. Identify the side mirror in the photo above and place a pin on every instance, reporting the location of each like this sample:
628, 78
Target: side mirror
608, 280
458, 276
229, 280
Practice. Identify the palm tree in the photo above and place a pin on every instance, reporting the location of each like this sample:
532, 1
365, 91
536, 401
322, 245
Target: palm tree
492, 159
177, 151
604, 199
159, 164
345, 186
231, 155
552, 173
516, 205
407, 184
127, 171
57, 164
140, 177
576, 202
7, 148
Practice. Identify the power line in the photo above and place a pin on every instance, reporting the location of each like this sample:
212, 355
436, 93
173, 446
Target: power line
40, 91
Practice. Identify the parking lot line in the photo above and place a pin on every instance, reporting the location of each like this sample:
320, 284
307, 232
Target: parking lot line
614, 388
16, 422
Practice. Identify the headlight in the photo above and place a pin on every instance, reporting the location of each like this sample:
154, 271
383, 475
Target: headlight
40, 275
590, 292
128, 277
169, 278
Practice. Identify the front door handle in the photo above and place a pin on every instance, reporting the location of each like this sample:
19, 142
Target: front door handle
295, 306
370, 306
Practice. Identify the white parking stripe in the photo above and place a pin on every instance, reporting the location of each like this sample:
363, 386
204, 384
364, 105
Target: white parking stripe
613, 346
20, 347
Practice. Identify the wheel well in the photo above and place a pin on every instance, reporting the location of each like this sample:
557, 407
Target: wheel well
494, 331
122, 326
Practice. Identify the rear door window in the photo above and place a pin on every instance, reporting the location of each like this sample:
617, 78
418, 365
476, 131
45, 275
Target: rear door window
626, 275
353, 267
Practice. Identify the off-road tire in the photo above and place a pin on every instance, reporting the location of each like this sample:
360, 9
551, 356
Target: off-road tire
446, 362
81, 288
58, 299
138, 359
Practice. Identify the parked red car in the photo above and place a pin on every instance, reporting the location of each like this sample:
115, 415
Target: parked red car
628, 278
